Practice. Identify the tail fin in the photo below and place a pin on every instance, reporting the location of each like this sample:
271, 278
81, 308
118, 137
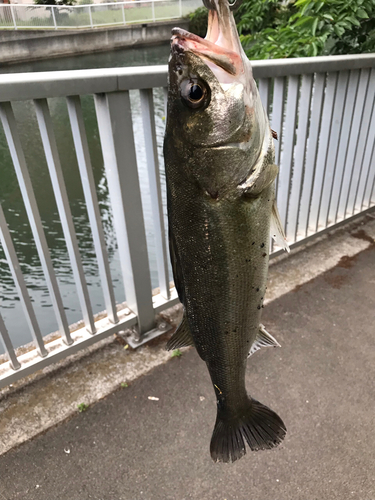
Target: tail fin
261, 427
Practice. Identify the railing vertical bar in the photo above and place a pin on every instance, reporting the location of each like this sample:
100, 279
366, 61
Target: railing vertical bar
13, 16
333, 163
117, 139
153, 10
299, 156
362, 141
264, 92
148, 117
53, 16
55, 171
278, 114
90, 16
123, 14
8, 346
91, 198
311, 154
288, 146
19, 281
349, 186
325, 131
373, 182
165, 94
24, 181
341, 169
369, 157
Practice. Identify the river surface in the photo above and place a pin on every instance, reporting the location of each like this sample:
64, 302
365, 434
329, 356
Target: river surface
12, 203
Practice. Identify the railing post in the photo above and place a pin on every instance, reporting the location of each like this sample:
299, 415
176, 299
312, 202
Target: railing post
13, 17
90, 16
53, 16
117, 140
180, 4
148, 116
153, 10
123, 13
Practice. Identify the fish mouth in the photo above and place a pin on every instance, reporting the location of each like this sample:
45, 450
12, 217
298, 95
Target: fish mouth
221, 48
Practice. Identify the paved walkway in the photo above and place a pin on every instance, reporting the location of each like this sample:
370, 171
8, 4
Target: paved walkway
127, 447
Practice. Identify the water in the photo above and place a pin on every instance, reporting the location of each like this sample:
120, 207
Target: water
12, 203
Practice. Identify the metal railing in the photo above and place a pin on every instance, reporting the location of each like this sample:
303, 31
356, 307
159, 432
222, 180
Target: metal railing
24, 16
322, 109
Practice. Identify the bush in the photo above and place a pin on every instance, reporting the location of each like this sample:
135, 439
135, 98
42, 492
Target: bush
316, 27
198, 21
279, 29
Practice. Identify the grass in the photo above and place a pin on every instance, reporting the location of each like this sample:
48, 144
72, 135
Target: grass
82, 407
176, 353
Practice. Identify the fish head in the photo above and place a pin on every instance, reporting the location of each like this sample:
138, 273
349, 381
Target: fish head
214, 109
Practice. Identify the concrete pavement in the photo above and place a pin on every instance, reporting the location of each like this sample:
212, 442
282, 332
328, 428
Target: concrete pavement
321, 382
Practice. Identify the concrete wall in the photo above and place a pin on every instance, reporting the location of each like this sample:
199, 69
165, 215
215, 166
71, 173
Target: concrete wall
20, 46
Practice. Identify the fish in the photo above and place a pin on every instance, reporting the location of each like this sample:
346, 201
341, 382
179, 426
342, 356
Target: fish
220, 176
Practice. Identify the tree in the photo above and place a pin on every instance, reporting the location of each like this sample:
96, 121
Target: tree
281, 28
315, 27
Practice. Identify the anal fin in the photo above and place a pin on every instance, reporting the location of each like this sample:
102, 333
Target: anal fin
263, 339
182, 336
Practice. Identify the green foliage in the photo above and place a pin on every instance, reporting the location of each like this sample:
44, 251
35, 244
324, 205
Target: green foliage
124, 384
255, 16
82, 407
316, 27
198, 21
176, 353
297, 28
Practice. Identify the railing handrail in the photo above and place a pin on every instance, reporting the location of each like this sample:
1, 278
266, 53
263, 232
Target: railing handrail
306, 65
24, 86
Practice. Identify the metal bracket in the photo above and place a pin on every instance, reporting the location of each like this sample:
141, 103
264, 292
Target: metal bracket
131, 339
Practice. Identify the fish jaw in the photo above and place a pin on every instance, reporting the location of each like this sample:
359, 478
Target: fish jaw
212, 54
221, 49
222, 28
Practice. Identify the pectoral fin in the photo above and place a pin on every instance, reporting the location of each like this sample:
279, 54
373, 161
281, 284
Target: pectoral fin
263, 339
277, 231
259, 179
182, 336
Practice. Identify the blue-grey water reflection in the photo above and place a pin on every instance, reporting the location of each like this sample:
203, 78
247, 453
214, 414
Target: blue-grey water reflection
12, 203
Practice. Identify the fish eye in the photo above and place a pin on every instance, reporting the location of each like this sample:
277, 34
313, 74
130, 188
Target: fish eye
194, 93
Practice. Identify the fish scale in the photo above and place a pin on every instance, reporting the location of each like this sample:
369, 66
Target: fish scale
219, 163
